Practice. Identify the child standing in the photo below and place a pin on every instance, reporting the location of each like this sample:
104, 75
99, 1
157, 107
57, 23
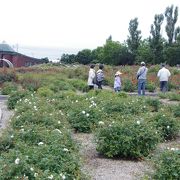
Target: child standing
117, 81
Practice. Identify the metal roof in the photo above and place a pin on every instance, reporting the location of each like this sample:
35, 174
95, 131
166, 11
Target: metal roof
6, 47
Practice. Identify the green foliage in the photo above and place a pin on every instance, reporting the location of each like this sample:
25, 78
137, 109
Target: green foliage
59, 85
172, 54
128, 86
176, 111
84, 56
8, 88
156, 41
84, 115
166, 125
154, 103
150, 87
129, 139
170, 95
7, 76
144, 52
167, 165
44, 92
15, 97
116, 54
39, 145
171, 15
79, 85
30, 83
134, 39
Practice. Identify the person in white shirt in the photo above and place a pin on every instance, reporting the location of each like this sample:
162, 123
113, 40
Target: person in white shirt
91, 76
163, 75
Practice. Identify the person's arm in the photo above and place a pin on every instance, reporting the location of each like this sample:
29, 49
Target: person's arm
158, 74
139, 70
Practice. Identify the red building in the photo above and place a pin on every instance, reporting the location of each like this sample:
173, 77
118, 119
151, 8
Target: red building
17, 59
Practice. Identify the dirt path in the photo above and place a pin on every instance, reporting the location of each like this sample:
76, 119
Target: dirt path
5, 114
101, 168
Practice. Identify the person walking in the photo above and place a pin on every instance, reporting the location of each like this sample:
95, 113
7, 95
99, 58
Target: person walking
91, 77
117, 81
141, 76
100, 76
163, 75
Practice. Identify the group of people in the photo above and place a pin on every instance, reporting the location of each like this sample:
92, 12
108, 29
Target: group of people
98, 77
95, 77
163, 75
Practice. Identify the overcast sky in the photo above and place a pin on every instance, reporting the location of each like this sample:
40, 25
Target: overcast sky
75, 23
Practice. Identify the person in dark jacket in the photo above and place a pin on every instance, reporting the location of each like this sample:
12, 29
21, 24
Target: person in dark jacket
100, 76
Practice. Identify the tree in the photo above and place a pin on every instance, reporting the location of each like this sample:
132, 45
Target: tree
97, 55
156, 41
68, 58
45, 60
134, 39
115, 53
177, 34
171, 21
84, 56
144, 52
172, 54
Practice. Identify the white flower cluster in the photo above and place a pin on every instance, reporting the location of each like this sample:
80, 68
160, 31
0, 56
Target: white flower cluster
40, 143
101, 123
50, 177
138, 122
63, 176
35, 108
173, 149
58, 131
17, 161
65, 150
86, 114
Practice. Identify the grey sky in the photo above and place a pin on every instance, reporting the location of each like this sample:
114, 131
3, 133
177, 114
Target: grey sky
75, 23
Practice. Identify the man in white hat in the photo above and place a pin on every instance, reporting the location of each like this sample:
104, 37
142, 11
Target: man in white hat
141, 76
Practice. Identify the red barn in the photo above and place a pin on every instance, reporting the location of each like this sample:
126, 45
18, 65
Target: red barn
17, 59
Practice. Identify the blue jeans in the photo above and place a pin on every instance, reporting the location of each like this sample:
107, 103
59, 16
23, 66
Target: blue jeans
163, 86
141, 86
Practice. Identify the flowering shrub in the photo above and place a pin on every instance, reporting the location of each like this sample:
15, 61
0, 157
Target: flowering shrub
127, 139
44, 92
60, 84
176, 111
154, 104
124, 105
166, 125
8, 88
39, 146
150, 87
167, 165
14, 97
128, 86
84, 115
79, 84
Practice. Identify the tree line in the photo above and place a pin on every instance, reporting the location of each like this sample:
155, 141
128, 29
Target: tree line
153, 50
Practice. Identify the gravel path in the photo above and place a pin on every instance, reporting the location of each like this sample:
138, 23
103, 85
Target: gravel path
101, 168
5, 114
